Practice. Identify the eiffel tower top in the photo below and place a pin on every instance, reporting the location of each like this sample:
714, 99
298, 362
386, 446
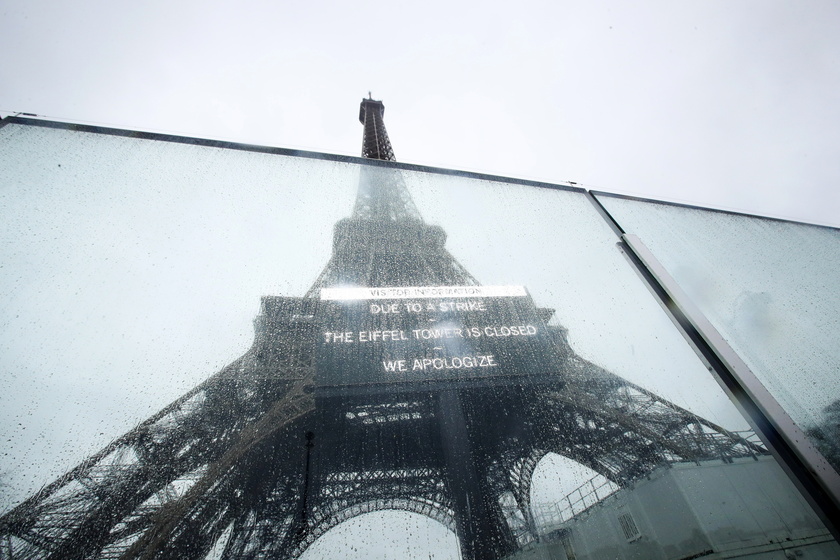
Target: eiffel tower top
375, 144
382, 192
385, 242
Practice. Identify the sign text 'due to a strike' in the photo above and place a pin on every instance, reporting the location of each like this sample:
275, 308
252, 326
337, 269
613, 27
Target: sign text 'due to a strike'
418, 292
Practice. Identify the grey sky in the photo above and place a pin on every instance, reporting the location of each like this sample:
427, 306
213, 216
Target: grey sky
727, 104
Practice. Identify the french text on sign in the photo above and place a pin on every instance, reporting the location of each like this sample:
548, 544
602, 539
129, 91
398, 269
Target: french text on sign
418, 292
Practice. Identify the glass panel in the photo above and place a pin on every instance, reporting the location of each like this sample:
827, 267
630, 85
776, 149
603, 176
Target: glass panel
443, 367
769, 287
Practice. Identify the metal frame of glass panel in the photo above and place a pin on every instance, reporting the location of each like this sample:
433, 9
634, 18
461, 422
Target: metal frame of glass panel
161, 137
818, 481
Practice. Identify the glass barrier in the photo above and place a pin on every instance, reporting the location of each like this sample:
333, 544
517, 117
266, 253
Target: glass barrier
443, 367
769, 287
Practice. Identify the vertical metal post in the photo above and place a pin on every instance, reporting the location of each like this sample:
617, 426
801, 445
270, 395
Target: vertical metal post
479, 532
304, 507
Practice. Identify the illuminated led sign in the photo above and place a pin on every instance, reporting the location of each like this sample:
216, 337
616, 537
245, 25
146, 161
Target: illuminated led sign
425, 333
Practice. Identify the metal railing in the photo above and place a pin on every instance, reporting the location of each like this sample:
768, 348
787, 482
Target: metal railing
549, 516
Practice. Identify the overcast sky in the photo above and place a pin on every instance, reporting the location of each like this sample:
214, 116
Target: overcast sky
726, 104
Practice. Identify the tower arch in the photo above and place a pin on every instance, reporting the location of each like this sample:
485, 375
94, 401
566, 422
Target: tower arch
396, 514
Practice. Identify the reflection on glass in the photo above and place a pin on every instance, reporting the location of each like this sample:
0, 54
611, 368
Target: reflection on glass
475, 371
770, 288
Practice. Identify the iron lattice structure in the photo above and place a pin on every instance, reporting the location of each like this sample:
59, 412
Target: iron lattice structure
254, 463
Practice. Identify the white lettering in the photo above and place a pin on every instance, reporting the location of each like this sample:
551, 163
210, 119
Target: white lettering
376, 336
514, 330
457, 362
395, 365
377, 308
338, 336
416, 292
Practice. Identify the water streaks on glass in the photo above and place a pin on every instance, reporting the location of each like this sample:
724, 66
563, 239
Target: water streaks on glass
442, 366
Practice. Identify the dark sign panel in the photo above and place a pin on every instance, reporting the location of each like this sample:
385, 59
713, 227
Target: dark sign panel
415, 334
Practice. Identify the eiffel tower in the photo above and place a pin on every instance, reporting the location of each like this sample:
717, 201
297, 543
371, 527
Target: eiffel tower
310, 428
